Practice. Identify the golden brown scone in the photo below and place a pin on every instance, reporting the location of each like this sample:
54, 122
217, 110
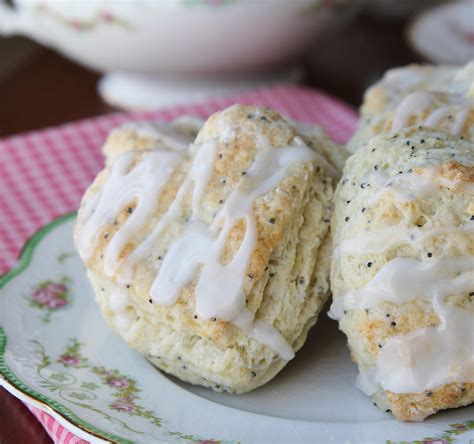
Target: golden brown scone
440, 97
402, 272
399, 82
225, 315
143, 136
315, 137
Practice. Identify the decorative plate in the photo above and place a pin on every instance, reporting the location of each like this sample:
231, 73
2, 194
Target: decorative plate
445, 34
57, 353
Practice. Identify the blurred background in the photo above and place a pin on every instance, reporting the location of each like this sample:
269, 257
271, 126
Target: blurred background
69, 59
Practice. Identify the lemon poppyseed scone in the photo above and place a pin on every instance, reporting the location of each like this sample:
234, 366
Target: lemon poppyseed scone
176, 135
440, 97
402, 272
315, 137
212, 259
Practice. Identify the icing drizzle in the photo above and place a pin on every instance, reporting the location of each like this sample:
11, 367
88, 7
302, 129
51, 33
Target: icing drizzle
428, 357
420, 101
143, 183
382, 240
195, 256
201, 246
410, 186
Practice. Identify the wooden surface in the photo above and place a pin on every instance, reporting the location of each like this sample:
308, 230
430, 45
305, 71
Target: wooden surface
48, 90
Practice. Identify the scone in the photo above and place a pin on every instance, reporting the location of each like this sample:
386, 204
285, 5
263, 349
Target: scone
315, 137
402, 272
211, 260
144, 136
439, 97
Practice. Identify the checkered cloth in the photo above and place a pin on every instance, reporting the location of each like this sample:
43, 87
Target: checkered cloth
43, 174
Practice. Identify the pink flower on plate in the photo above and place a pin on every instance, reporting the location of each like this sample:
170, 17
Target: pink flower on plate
68, 360
42, 296
76, 24
118, 382
106, 16
56, 302
57, 288
123, 405
436, 441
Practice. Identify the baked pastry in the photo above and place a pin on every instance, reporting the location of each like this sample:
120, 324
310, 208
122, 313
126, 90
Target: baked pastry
402, 272
315, 137
143, 136
211, 260
440, 97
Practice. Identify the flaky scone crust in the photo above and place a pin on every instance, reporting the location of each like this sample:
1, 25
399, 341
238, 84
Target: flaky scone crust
417, 150
289, 267
382, 98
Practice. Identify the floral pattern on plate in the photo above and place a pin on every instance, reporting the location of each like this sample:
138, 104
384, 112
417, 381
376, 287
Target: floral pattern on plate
124, 389
50, 296
75, 366
100, 17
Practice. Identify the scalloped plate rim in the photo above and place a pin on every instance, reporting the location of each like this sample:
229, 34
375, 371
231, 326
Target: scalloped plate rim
8, 379
65, 416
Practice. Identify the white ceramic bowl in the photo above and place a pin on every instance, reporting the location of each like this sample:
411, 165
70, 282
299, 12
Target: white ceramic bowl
168, 39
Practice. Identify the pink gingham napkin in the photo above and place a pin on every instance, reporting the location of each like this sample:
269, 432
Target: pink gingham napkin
43, 174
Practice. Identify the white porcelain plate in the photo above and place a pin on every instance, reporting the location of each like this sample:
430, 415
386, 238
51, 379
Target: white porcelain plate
57, 353
445, 34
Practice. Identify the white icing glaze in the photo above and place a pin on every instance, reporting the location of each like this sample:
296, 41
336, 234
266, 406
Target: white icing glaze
382, 240
399, 79
420, 101
123, 321
201, 246
142, 182
403, 78
428, 357
366, 381
265, 333
118, 300
411, 186
322, 162
436, 116
411, 104
196, 253
434, 119
204, 156
404, 279
460, 121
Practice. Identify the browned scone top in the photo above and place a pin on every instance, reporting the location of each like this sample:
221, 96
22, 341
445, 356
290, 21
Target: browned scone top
440, 97
286, 278
403, 259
